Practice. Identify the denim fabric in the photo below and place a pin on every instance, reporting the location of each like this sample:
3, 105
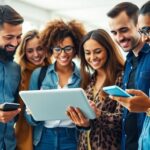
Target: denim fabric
142, 82
50, 82
58, 139
9, 83
144, 141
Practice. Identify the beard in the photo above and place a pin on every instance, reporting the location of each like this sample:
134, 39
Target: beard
6, 55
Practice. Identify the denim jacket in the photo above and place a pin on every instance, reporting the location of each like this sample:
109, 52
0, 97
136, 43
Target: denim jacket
142, 82
9, 83
50, 82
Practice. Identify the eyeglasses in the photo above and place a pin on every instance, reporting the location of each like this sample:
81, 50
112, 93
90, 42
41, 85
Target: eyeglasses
145, 31
67, 49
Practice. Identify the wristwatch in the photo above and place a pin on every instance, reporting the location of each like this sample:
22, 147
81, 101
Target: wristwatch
148, 112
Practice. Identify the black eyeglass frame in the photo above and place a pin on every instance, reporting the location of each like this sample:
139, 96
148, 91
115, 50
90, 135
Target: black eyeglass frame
145, 30
67, 49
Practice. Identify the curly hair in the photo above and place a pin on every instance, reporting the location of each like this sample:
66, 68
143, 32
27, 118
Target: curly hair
56, 30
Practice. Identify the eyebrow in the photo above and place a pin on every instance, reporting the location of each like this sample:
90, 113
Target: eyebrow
12, 35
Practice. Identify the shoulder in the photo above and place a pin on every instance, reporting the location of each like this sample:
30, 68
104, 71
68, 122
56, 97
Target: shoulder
13, 65
37, 71
76, 70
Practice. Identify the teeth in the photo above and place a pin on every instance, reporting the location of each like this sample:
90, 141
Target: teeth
95, 62
63, 59
10, 47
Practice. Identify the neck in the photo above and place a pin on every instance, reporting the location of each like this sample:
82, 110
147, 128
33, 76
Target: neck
65, 68
100, 77
138, 47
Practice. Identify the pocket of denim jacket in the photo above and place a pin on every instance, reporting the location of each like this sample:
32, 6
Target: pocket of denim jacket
145, 74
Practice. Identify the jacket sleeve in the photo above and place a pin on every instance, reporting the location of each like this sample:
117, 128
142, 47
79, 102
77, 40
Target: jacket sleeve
33, 86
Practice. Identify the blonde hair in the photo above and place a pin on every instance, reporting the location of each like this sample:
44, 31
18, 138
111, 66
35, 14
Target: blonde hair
21, 55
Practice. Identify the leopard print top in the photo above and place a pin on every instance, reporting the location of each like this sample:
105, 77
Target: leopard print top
105, 132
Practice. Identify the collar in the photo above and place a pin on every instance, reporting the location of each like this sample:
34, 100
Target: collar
76, 71
145, 49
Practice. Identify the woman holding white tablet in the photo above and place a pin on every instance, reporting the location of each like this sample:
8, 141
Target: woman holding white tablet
62, 40
99, 53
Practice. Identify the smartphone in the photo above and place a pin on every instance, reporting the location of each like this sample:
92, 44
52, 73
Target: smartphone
116, 91
9, 106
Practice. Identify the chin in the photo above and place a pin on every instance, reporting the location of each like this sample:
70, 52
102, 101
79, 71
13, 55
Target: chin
37, 64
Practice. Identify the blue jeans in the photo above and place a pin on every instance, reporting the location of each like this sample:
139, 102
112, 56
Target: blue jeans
58, 139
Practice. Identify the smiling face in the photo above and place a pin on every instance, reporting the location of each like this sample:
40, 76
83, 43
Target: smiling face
10, 38
64, 58
34, 52
95, 54
124, 31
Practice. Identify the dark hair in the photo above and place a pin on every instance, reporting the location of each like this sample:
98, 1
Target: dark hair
57, 30
130, 9
114, 63
9, 15
145, 9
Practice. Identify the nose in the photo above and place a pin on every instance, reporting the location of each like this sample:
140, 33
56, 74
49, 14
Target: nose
62, 52
92, 56
35, 53
145, 38
119, 37
15, 42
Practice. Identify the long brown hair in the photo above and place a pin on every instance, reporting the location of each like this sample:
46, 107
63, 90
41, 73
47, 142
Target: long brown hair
114, 63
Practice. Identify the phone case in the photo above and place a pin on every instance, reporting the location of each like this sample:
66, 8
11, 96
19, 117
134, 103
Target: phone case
9, 106
116, 91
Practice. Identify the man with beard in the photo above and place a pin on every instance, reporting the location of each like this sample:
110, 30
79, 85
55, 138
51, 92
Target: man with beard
10, 36
123, 22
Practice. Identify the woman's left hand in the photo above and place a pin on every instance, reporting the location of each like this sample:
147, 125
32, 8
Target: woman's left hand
95, 109
78, 118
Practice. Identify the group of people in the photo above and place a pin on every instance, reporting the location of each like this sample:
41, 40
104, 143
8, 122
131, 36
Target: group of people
44, 60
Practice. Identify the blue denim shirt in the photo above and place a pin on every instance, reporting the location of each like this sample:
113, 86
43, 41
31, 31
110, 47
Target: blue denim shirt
51, 81
9, 83
142, 82
144, 141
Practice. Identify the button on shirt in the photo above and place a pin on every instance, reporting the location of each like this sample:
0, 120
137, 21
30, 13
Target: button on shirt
142, 82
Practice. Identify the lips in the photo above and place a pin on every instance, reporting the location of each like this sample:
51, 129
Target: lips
64, 59
10, 48
125, 43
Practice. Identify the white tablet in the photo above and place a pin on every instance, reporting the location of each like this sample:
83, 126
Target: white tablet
52, 104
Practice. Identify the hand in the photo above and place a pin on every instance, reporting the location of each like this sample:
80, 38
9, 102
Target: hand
6, 116
95, 109
28, 111
138, 103
76, 115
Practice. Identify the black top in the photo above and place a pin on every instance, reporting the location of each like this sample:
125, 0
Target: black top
131, 119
